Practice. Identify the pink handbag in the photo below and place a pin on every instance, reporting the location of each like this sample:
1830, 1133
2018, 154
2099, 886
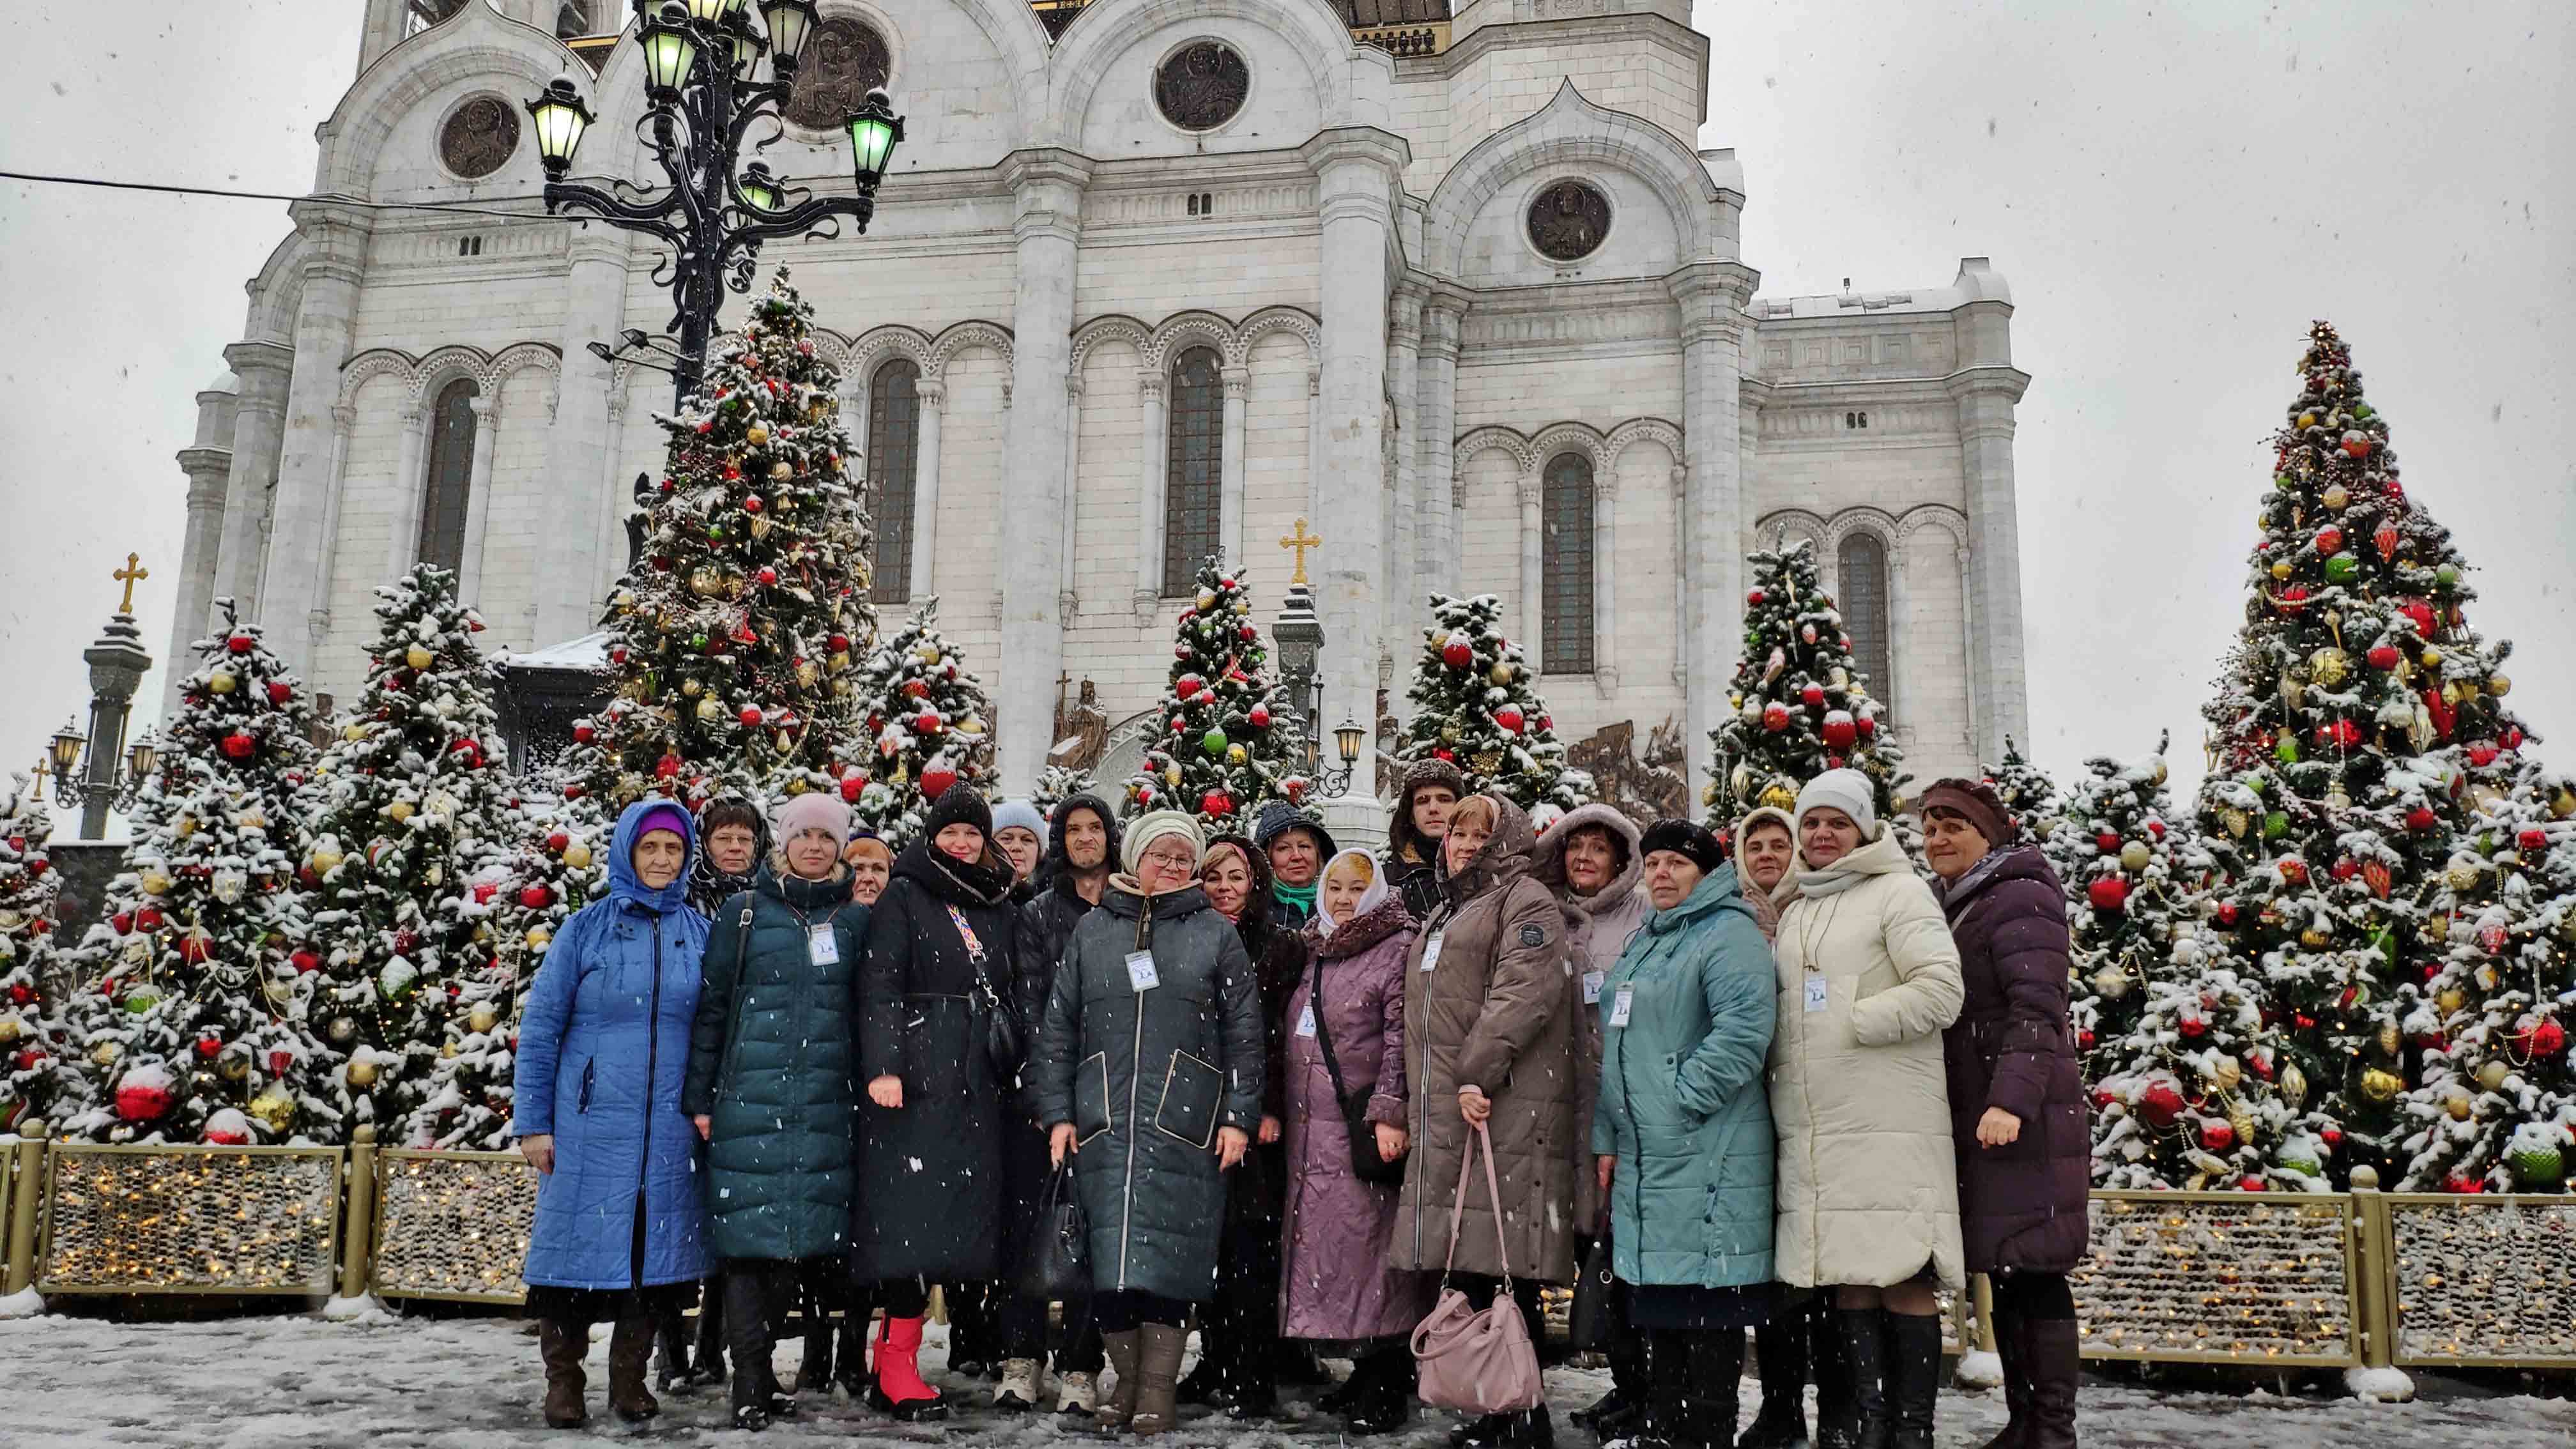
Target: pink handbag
1481, 1363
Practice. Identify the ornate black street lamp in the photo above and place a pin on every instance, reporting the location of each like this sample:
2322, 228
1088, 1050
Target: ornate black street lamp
701, 105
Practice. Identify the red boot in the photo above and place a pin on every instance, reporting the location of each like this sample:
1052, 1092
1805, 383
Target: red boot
899, 1389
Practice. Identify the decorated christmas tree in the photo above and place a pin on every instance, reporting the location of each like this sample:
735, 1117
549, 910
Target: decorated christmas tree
734, 643
517, 900
194, 987
927, 725
2496, 1106
2336, 797
1226, 741
2027, 792
1476, 705
32, 1036
1057, 784
1801, 705
2129, 878
406, 801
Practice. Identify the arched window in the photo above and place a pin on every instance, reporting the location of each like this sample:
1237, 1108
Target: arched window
451, 475
1193, 490
1861, 563
1565, 578
894, 450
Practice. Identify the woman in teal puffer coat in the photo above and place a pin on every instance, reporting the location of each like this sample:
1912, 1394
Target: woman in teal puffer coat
1683, 1133
773, 1084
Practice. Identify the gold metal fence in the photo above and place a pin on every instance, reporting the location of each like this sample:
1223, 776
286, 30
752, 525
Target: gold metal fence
190, 1219
2221, 1277
453, 1225
2481, 1280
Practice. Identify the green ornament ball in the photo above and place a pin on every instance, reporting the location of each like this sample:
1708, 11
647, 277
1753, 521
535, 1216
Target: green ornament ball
2447, 575
2302, 1162
142, 999
2342, 568
2537, 1169
2287, 751
2276, 825
697, 641
1213, 742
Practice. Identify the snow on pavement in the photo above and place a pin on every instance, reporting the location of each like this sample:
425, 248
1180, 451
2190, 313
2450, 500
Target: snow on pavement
474, 1383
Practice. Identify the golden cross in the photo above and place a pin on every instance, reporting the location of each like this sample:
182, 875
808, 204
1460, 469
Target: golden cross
1300, 540
129, 574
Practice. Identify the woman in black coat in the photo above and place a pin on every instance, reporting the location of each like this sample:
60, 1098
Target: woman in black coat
929, 1202
2016, 1100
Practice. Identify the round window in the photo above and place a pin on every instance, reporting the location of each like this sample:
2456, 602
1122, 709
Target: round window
1201, 86
1568, 219
478, 139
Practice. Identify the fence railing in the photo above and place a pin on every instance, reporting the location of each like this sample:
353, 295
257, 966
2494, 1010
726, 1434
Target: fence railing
2315, 1280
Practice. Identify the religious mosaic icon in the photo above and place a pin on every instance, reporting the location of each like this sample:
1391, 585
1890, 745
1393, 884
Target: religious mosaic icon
844, 60
1568, 220
1202, 86
479, 138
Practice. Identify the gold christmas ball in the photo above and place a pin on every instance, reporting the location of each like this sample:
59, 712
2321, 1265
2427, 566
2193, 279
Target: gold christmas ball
2450, 999
806, 674
2500, 686
2226, 1072
2281, 569
760, 525
1708, 795
2336, 496
353, 732
1172, 775
185, 825
972, 724
1780, 797
11, 1028
221, 681
2316, 938
2161, 773
2328, 666
449, 1051
2562, 802
2243, 1122
1501, 674
2294, 1085
838, 663
417, 657
2491, 1075
2457, 1103
106, 1053
2235, 820
928, 654
539, 937
362, 1072
2436, 930
482, 1016
2135, 856
1449, 734
399, 811
1234, 754
273, 1109
324, 860
233, 1067
711, 708
692, 688
2389, 1039
2381, 1086
705, 582
2111, 983
755, 435
2431, 658
154, 882
780, 472
2463, 875
577, 855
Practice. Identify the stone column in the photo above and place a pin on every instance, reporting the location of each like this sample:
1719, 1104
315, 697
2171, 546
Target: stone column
326, 563
1711, 297
208, 462
1068, 588
336, 237
1436, 433
402, 543
1997, 691
930, 395
1237, 382
1605, 579
1360, 169
478, 499
1529, 613
1401, 602
1679, 483
1150, 384
381, 31
579, 443
265, 369
1046, 229
608, 541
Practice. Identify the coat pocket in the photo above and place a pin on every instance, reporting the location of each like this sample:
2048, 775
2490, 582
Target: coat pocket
589, 1075
1191, 1091
1091, 1097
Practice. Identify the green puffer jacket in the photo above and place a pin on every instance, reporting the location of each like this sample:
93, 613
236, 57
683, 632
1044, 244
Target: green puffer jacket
770, 1059
1682, 1101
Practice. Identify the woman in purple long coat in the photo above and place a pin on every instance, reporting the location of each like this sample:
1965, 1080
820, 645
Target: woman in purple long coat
1337, 1284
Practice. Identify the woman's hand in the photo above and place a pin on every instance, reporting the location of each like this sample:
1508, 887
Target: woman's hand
706, 1125
1602, 1167
1391, 1141
1269, 1129
887, 1091
1230, 1144
1060, 1142
1473, 1105
539, 1149
1998, 1128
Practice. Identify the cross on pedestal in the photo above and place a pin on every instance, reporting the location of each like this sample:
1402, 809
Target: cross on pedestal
1300, 540
132, 572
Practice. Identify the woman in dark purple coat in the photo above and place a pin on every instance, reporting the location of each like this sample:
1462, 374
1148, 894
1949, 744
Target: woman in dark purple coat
2016, 1100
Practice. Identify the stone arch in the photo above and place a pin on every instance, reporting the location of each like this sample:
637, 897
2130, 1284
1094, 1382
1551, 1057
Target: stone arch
874, 346
1353, 82
1570, 437
1280, 319
539, 355
960, 336
448, 363
1115, 327
832, 348
277, 293
477, 44
1778, 530
1178, 332
367, 366
1862, 519
1496, 436
1570, 129
1640, 430
1939, 516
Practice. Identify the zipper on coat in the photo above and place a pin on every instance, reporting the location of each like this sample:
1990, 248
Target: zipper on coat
1135, 1072
652, 1077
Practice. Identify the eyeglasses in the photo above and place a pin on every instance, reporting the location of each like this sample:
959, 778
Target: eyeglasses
1177, 859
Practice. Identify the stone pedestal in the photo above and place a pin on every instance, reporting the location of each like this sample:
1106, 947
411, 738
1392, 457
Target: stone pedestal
117, 665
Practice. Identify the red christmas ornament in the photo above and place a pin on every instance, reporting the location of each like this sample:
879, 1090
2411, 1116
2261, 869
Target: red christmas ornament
2227, 913
2462, 1182
2512, 739
2292, 599
926, 723
2156, 828
2107, 842
406, 942
667, 768
208, 1047
750, 716
2251, 1183
1775, 716
2216, 1135
2355, 445
2294, 871
839, 643
2532, 838
1187, 687
2422, 818
1443, 752
2439, 710
149, 918
2108, 894
935, 781
1216, 802
1546, 723
1260, 716
1457, 653
305, 960
1812, 695
239, 746
2382, 657
2482, 755
851, 785
2543, 1038
2160, 1103
484, 891
240, 643
1509, 717
536, 897
2192, 1025
2384, 538
767, 577
2329, 540
2330, 1136
196, 947
1754, 597
559, 841
751, 504
2345, 868
145, 1100
227, 1136
2084, 1040
1179, 724
278, 693
1867, 724
2374, 874
1841, 730
2420, 614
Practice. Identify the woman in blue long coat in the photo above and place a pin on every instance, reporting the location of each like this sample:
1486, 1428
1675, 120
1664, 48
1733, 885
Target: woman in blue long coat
603, 1051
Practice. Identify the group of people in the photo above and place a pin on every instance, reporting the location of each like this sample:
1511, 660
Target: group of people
1778, 1081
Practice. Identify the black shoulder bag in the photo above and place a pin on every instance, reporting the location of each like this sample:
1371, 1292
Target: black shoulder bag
1005, 1039
1367, 1164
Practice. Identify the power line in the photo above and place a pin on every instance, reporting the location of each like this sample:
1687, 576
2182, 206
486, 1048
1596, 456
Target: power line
334, 198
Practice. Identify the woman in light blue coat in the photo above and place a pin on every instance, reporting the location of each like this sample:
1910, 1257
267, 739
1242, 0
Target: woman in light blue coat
1683, 1133
603, 1052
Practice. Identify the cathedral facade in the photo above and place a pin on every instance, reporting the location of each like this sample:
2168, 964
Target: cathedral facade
1150, 280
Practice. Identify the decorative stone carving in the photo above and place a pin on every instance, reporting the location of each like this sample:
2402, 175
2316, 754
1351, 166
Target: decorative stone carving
1568, 219
844, 60
479, 138
1202, 86
1645, 790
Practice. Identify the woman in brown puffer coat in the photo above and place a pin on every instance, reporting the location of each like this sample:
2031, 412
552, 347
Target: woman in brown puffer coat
1493, 1035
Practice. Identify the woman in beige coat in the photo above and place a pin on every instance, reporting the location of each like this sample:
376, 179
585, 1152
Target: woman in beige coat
1868, 1188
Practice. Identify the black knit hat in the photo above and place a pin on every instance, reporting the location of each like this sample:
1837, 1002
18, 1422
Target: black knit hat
1685, 838
960, 805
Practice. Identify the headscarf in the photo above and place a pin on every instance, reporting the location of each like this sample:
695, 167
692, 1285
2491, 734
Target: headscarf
711, 886
1379, 888
639, 820
1849, 792
1766, 904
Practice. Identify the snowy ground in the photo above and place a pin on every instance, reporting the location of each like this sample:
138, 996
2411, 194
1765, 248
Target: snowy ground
474, 1383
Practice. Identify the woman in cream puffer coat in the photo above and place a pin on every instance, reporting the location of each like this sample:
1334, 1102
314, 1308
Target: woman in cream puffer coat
1867, 1185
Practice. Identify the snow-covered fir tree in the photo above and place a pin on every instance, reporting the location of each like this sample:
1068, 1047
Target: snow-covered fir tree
2335, 800
2129, 876
1057, 784
194, 987
32, 1036
1226, 741
2186, 1094
927, 725
1477, 706
407, 800
2027, 792
735, 641
1800, 703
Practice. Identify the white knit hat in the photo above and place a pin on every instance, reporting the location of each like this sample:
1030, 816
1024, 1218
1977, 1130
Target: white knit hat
1154, 826
1845, 790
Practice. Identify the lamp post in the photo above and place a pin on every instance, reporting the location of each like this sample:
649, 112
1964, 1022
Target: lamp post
117, 664
701, 104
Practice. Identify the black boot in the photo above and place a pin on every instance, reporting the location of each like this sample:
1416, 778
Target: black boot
1531, 1429
850, 1360
1716, 1385
1385, 1392
2053, 1358
1251, 1374
747, 1330
563, 1343
1663, 1420
1913, 1378
1612, 1414
2008, 1347
711, 1334
1780, 1356
1859, 1420
671, 1368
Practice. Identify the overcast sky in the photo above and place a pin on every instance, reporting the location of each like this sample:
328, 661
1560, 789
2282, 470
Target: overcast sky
2174, 191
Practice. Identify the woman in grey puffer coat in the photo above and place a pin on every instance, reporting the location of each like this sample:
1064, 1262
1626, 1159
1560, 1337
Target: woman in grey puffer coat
1149, 1075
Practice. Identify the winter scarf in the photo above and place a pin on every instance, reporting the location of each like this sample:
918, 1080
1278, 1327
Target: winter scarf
1302, 897
1370, 899
1849, 792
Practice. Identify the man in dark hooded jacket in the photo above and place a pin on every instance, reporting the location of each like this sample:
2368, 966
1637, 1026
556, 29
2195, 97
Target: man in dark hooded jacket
1423, 798
1081, 850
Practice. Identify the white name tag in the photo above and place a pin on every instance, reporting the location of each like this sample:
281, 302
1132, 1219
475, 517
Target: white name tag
1306, 1023
1592, 987
1620, 1001
1815, 993
1431, 950
1140, 971
822, 946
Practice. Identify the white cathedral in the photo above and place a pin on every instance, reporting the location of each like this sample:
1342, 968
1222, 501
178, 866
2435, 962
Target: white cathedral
1150, 280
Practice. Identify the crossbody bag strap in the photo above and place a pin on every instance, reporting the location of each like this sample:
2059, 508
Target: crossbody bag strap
991, 999
1324, 1039
733, 1011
